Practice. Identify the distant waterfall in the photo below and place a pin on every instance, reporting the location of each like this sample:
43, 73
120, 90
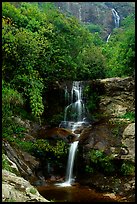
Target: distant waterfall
80, 16
74, 118
116, 18
116, 21
108, 37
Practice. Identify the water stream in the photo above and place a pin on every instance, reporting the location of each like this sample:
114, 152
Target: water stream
116, 21
116, 18
74, 118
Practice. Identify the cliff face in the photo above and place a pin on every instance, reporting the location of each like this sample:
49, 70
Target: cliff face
97, 12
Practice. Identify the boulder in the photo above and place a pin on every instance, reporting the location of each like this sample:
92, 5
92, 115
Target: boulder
58, 133
17, 189
128, 141
98, 136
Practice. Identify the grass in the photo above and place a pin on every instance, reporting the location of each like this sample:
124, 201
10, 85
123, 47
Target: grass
129, 115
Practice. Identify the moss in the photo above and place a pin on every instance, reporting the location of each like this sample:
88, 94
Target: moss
10, 200
33, 190
6, 165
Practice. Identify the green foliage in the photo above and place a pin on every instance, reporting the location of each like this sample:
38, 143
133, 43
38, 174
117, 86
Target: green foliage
40, 45
101, 161
92, 98
127, 168
91, 63
120, 50
43, 147
89, 169
33, 190
10, 100
7, 166
24, 145
93, 28
129, 115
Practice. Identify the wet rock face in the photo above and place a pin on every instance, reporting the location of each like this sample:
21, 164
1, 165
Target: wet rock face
128, 140
99, 136
26, 163
112, 134
17, 189
118, 96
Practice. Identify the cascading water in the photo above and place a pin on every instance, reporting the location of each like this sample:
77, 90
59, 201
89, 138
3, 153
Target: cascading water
74, 117
116, 18
116, 21
108, 37
80, 17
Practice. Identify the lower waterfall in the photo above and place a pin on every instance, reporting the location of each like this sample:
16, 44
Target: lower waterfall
74, 118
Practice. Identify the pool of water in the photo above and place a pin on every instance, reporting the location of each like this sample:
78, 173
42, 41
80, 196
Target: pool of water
75, 193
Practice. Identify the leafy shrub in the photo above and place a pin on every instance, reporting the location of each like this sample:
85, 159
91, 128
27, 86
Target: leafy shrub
127, 168
89, 169
11, 99
93, 28
99, 160
43, 147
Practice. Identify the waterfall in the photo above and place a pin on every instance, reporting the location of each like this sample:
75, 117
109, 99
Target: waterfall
74, 117
108, 37
116, 21
116, 18
80, 17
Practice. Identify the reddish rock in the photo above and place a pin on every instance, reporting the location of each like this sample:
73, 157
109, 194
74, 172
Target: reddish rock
57, 133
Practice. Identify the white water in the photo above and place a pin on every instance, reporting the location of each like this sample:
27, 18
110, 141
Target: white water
116, 21
76, 107
108, 37
80, 16
116, 18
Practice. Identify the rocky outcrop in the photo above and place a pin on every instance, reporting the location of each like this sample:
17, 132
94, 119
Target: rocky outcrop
57, 133
17, 189
118, 96
26, 163
112, 134
128, 141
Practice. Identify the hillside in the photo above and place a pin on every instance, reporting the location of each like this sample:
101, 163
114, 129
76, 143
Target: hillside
98, 13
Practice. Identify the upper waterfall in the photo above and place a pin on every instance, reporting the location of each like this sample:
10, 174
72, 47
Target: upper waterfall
116, 18
116, 21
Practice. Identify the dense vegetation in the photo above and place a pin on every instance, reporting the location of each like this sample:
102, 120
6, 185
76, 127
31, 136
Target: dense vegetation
40, 45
